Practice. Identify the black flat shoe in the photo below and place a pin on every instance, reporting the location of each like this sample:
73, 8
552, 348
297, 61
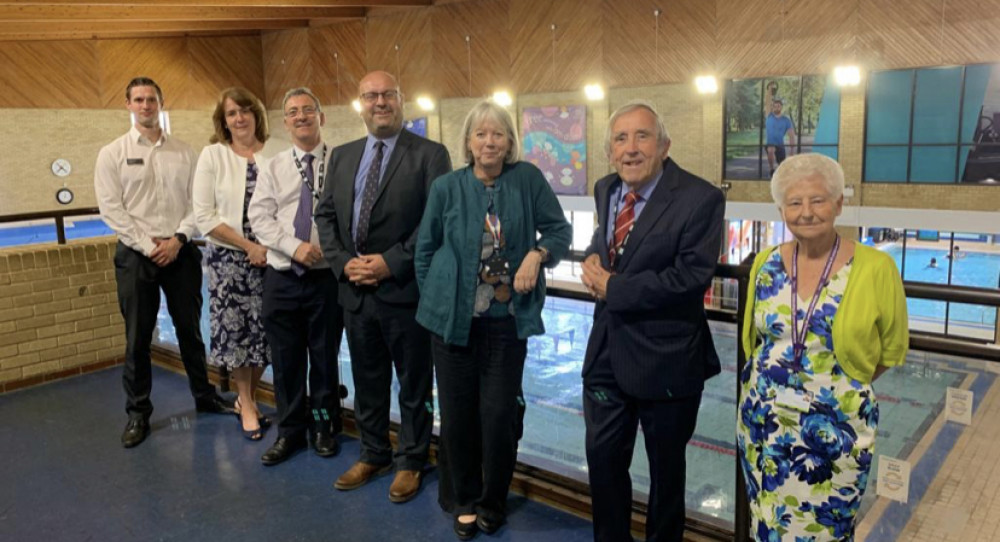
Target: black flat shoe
281, 450
325, 444
488, 526
466, 531
214, 405
136, 431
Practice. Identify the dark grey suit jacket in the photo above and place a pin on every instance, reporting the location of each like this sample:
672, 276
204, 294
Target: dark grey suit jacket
653, 326
414, 164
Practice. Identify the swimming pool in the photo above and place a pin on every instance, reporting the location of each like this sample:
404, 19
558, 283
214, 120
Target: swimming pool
980, 269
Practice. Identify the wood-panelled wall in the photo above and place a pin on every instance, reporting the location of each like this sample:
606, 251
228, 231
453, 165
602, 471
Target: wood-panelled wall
621, 43
92, 74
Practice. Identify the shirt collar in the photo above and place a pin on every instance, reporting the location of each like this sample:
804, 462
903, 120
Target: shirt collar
390, 142
316, 152
645, 192
136, 136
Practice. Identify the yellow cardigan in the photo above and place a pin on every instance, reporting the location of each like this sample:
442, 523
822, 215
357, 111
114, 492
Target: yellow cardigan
871, 327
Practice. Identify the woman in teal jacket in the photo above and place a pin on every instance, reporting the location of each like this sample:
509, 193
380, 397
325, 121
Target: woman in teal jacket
487, 232
825, 317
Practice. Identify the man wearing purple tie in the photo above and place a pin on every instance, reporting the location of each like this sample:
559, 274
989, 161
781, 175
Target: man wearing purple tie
302, 318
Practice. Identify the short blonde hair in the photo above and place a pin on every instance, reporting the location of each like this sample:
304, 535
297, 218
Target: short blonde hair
487, 110
802, 166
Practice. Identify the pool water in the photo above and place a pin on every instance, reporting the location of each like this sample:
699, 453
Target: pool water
980, 269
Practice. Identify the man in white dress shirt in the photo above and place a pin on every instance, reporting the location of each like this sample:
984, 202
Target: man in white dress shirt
302, 318
143, 185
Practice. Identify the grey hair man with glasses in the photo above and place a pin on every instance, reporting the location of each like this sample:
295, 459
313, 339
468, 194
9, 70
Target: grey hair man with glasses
302, 318
368, 219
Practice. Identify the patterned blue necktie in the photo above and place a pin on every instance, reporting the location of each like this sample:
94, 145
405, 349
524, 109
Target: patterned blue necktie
368, 199
303, 215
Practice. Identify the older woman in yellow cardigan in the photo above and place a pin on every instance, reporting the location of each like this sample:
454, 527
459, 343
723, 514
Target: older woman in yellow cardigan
825, 317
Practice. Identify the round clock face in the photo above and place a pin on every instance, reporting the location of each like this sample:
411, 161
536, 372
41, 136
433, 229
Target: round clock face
61, 167
64, 196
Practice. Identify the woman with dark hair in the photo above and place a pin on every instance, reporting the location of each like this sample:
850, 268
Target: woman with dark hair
223, 184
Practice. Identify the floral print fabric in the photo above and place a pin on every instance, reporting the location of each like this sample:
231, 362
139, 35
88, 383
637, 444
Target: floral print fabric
235, 300
806, 470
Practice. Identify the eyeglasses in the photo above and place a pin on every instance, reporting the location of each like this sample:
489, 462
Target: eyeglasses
372, 97
307, 111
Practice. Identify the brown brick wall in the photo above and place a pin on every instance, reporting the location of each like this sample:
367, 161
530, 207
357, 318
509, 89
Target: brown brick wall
58, 310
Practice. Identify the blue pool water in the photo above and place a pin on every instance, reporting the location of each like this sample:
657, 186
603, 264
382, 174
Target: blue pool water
980, 269
46, 233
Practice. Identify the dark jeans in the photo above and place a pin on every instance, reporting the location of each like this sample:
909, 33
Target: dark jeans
304, 323
381, 336
482, 411
612, 418
139, 284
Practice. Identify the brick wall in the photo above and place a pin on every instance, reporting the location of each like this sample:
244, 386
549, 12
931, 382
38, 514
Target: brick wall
59, 312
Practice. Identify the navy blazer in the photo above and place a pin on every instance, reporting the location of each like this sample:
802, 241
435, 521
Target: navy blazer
399, 205
652, 325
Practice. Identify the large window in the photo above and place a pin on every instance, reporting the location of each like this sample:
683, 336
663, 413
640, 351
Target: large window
770, 119
934, 125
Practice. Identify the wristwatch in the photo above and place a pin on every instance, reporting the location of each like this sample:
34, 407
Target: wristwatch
544, 252
182, 238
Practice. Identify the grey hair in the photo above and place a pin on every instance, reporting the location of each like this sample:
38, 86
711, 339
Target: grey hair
803, 166
483, 111
300, 91
662, 136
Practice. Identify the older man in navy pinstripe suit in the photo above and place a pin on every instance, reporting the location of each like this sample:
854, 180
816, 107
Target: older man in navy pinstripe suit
650, 351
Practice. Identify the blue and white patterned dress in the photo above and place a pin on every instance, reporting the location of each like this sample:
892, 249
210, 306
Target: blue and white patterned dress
806, 471
235, 302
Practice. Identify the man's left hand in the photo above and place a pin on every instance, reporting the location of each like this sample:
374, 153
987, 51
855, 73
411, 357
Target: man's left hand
166, 251
372, 270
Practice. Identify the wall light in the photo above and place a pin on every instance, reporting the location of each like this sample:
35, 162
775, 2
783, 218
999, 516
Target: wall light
425, 103
356, 104
502, 98
706, 84
847, 76
594, 92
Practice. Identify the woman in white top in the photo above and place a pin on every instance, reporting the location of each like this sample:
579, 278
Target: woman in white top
223, 185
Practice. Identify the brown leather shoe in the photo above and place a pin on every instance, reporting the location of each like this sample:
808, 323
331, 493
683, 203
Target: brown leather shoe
360, 474
405, 486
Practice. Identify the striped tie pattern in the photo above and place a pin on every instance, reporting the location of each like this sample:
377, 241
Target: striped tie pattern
623, 223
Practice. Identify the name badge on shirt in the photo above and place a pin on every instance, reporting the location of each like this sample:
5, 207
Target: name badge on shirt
793, 399
133, 161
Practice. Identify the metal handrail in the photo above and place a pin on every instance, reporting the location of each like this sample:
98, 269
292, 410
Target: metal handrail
59, 216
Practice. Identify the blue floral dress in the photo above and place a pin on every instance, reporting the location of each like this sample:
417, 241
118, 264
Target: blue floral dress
806, 469
235, 300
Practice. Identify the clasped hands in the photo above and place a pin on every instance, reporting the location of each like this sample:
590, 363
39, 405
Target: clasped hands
166, 250
595, 278
367, 270
307, 254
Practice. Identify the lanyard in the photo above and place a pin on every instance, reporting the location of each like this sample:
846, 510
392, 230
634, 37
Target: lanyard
799, 337
318, 189
493, 221
621, 248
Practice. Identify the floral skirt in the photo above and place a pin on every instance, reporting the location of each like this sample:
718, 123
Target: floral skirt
235, 303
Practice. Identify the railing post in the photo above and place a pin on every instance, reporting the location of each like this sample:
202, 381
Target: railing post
61, 229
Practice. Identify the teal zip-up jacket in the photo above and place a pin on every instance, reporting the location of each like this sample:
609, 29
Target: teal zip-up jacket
447, 255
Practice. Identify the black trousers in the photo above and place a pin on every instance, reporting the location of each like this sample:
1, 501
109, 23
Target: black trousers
304, 323
381, 336
139, 284
612, 418
482, 408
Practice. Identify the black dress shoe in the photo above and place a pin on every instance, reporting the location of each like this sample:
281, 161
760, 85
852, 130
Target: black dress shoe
282, 449
325, 444
465, 531
136, 431
214, 405
487, 525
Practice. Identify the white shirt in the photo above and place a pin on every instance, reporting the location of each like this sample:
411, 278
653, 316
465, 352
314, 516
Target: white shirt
220, 183
275, 202
144, 188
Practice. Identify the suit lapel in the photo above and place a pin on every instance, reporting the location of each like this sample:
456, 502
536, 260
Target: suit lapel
659, 201
603, 202
402, 146
344, 194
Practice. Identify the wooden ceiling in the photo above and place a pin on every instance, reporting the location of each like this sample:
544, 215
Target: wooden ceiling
27, 20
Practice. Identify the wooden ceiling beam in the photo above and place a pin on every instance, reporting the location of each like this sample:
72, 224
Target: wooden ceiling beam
104, 12
152, 4
84, 30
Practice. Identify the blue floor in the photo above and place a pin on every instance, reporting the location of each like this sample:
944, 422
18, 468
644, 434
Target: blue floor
66, 477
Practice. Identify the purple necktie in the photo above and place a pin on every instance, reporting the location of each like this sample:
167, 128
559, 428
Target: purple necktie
368, 199
303, 215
